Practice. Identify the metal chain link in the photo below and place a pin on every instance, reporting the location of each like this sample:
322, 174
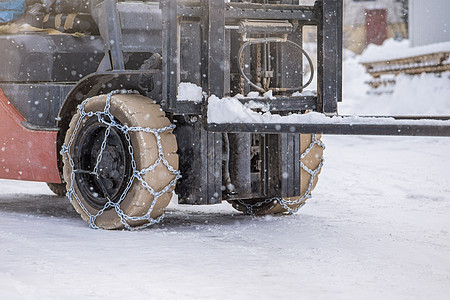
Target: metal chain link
108, 119
287, 204
258, 65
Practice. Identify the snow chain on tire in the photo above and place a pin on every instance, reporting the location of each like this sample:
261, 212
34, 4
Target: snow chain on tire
311, 162
142, 197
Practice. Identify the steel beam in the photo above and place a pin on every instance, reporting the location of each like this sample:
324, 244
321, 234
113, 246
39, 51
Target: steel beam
403, 126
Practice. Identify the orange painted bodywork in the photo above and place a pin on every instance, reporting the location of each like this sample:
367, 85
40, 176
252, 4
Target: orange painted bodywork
25, 154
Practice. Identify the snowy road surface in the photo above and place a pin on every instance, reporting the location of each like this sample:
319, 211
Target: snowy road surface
377, 227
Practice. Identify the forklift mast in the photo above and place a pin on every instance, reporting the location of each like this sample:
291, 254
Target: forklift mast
215, 30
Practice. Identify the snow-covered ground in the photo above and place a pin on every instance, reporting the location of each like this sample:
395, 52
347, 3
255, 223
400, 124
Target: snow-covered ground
377, 227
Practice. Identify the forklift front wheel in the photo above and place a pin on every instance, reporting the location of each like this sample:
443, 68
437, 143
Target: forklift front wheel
120, 157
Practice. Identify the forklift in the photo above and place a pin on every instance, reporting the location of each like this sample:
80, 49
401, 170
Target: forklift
90, 103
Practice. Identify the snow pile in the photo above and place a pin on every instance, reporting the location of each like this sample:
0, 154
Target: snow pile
354, 77
231, 110
189, 92
228, 110
392, 49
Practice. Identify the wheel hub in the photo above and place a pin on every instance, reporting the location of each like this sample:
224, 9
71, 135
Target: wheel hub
103, 168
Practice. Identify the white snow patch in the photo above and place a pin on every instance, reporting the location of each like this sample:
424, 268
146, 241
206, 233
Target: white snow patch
228, 110
392, 49
258, 105
253, 95
189, 92
239, 96
305, 93
231, 110
269, 95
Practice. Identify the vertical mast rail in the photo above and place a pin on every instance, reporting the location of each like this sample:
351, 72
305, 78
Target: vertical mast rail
115, 41
171, 54
216, 51
329, 38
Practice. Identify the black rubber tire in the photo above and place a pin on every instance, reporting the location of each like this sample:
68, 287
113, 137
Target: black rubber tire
133, 111
311, 160
58, 188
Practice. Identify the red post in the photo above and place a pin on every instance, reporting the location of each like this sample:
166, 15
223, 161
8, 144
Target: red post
376, 26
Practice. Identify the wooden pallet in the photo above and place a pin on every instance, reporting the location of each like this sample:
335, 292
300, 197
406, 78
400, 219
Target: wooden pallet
385, 71
427, 63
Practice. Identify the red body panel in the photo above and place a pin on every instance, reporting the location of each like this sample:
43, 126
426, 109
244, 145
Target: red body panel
25, 154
